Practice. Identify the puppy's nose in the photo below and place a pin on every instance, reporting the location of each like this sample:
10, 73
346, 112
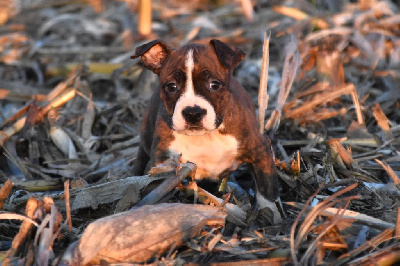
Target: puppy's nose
193, 114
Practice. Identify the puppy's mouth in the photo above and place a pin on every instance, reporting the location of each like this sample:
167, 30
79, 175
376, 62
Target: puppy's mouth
194, 131
194, 127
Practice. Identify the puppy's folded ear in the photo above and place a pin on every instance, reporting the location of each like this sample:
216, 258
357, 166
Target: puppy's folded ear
153, 54
229, 57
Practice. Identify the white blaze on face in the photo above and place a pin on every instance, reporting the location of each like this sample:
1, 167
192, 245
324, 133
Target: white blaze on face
190, 99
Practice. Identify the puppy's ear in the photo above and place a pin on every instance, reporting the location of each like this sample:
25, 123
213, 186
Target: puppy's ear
229, 57
153, 54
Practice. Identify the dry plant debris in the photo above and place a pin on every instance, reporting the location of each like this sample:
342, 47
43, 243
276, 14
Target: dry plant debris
143, 233
327, 82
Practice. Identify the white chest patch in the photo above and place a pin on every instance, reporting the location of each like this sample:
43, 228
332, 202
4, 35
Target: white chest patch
212, 153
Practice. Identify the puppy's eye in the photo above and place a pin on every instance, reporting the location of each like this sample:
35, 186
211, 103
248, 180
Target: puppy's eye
214, 85
171, 87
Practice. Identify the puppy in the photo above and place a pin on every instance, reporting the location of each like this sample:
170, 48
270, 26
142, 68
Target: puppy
200, 111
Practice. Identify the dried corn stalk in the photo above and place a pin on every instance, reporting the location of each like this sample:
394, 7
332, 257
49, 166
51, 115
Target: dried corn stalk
142, 234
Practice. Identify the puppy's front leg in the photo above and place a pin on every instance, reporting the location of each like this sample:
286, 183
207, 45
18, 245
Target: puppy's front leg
266, 178
142, 160
162, 137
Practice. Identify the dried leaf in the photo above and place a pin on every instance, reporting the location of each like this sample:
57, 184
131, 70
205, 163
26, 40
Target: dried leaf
295, 165
362, 236
4, 191
88, 121
63, 141
12, 46
358, 131
339, 154
382, 120
290, 12
97, 5
365, 46
329, 67
18, 125
45, 233
323, 98
392, 174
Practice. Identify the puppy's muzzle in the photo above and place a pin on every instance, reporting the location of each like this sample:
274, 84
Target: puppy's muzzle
193, 115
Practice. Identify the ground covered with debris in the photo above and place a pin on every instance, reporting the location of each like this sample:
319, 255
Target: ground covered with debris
71, 102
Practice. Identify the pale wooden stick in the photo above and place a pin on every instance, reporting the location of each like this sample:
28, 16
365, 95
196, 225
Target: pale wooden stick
292, 63
263, 89
144, 21
62, 85
11, 130
397, 231
67, 205
63, 99
247, 7
357, 106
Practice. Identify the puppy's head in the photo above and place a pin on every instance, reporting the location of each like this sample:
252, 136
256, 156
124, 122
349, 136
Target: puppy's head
194, 80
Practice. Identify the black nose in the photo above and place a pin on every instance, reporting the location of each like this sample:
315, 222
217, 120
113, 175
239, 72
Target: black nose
193, 114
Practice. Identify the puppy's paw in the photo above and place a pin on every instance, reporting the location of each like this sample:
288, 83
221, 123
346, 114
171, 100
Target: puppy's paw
263, 203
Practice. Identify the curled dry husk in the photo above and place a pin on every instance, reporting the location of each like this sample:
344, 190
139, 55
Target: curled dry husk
141, 234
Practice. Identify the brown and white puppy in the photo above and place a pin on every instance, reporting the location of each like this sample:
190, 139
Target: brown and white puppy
203, 113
